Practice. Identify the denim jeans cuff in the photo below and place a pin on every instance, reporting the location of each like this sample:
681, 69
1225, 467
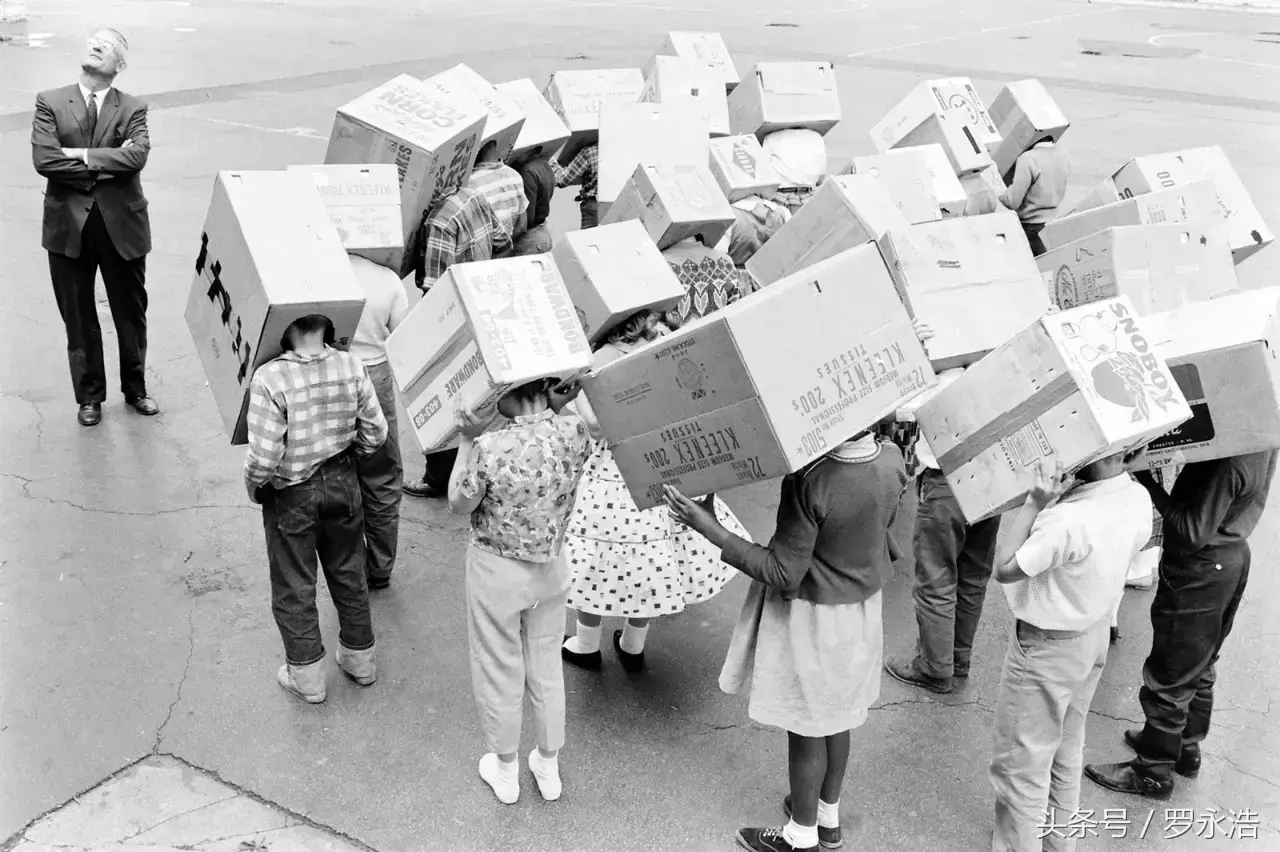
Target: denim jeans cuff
351, 647
306, 662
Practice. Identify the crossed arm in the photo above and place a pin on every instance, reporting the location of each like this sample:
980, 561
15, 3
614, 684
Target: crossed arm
78, 167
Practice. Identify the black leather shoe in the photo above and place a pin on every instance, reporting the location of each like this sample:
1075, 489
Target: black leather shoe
90, 414
828, 838
631, 663
1125, 778
144, 405
592, 662
1188, 765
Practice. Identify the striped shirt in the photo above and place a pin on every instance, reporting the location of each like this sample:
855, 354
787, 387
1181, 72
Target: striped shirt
503, 188
306, 409
462, 229
585, 170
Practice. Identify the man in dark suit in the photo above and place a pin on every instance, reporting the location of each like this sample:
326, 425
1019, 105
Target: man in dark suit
90, 141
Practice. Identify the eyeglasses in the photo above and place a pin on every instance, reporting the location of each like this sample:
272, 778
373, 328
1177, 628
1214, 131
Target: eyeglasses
104, 43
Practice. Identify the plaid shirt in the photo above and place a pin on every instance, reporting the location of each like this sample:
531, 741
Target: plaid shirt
462, 229
585, 169
303, 411
503, 188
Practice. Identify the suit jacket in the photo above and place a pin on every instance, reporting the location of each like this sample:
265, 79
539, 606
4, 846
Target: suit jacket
112, 179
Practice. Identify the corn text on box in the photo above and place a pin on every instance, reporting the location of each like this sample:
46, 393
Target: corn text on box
364, 204
543, 127
973, 280
667, 134
741, 168
674, 203
482, 329
909, 182
719, 403
952, 96
785, 95
613, 271
1023, 113
1159, 267
431, 139
671, 78
506, 117
578, 95
1074, 387
269, 254
708, 48
1195, 202
1247, 233
1223, 355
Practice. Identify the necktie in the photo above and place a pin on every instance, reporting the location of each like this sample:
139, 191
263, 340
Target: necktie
93, 117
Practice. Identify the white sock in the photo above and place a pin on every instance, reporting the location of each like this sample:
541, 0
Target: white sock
504, 778
546, 771
800, 836
586, 640
828, 814
633, 638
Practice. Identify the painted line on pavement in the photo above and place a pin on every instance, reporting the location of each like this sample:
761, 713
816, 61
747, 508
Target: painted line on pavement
1155, 41
302, 132
986, 31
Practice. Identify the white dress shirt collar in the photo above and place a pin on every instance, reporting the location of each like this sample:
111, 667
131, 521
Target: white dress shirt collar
102, 96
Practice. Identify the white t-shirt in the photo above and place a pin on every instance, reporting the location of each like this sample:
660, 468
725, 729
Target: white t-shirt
1078, 555
385, 305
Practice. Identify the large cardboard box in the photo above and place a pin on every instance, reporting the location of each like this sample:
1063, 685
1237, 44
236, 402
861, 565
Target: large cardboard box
1023, 113
719, 403
708, 48
672, 79
1073, 387
1247, 233
1159, 267
984, 189
908, 181
269, 254
578, 95
543, 127
952, 96
364, 204
1195, 203
505, 117
1100, 196
482, 329
613, 271
963, 150
667, 134
951, 195
785, 95
431, 139
741, 167
844, 212
674, 203
972, 279
1223, 355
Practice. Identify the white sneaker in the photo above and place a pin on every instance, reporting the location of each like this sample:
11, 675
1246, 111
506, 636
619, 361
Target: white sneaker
505, 786
547, 774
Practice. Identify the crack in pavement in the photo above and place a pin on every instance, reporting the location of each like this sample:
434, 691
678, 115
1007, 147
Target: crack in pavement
1238, 768
26, 492
931, 702
151, 828
186, 670
1124, 719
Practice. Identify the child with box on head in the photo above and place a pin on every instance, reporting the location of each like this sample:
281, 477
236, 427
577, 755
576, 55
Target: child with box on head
503, 188
1038, 186
1063, 565
517, 483
809, 640
628, 562
800, 159
308, 410
584, 171
539, 186
710, 279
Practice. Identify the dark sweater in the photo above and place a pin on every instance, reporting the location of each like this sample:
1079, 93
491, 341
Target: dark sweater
1216, 503
832, 544
539, 184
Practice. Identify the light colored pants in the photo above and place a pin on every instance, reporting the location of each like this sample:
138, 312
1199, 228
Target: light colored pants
1045, 691
515, 624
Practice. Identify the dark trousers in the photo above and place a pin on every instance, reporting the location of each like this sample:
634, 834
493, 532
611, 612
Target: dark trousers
590, 210
1191, 617
382, 485
74, 279
318, 518
1033, 237
439, 469
953, 565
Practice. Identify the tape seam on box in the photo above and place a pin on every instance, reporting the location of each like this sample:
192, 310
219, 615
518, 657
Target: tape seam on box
1057, 391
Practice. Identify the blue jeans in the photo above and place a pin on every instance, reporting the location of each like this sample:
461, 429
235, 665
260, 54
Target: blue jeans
382, 485
318, 520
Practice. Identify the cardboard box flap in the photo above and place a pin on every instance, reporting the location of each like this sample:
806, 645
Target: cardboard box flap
418, 115
1236, 319
795, 78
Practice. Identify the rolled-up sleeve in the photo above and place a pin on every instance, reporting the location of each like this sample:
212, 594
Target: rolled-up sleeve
789, 556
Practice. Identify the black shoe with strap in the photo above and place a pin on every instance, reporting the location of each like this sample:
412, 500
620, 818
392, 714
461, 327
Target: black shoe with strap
1188, 765
592, 662
1128, 778
828, 838
768, 840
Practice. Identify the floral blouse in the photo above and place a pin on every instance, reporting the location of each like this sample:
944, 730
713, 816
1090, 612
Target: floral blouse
528, 474
710, 280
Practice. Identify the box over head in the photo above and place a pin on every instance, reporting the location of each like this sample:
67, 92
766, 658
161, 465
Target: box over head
963, 150
543, 127
740, 166
908, 180
666, 134
708, 48
671, 79
1024, 113
674, 203
364, 204
578, 95
952, 198
953, 96
506, 116
783, 96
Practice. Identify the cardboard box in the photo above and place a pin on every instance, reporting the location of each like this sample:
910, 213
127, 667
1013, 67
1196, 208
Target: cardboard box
1073, 387
431, 139
543, 128
269, 254
785, 95
674, 203
908, 181
1101, 195
951, 196
578, 95
1023, 113
1223, 355
1195, 203
719, 403
708, 48
505, 117
952, 96
613, 271
984, 189
672, 80
364, 205
1247, 233
741, 167
484, 328
972, 279
670, 134
843, 213
1159, 267
963, 150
